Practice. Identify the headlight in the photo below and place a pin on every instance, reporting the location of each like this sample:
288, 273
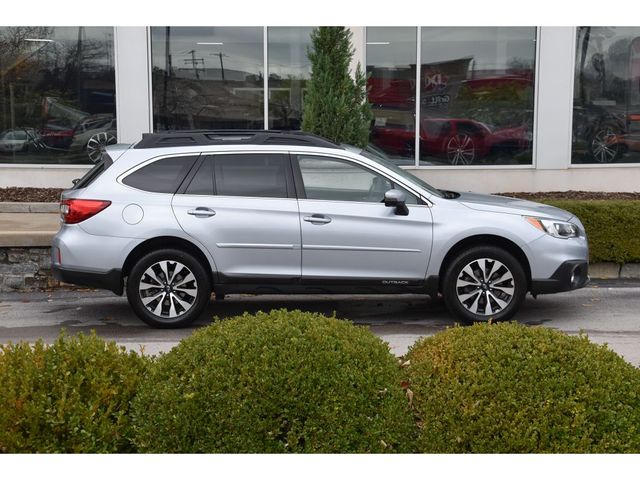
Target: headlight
555, 228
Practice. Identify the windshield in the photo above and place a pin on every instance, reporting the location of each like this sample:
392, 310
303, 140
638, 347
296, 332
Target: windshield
378, 155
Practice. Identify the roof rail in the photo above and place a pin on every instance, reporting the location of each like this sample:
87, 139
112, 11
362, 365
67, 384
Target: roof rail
185, 138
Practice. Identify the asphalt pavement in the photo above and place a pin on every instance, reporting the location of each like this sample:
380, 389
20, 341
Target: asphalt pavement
608, 312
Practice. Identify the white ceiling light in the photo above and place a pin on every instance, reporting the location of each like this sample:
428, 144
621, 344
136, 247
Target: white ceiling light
378, 43
38, 40
210, 43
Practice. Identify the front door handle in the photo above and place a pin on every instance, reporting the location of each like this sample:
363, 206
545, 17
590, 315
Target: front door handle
202, 212
317, 219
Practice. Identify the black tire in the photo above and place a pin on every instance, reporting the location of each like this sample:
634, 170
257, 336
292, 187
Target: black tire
409, 149
497, 299
173, 296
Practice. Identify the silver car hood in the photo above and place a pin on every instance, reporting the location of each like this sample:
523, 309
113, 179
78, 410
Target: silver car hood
495, 203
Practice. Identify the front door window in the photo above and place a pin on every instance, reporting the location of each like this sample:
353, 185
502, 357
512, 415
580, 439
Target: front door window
340, 180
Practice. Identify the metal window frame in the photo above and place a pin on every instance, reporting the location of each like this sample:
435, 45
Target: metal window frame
265, 88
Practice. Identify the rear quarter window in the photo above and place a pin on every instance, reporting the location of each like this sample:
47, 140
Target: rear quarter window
97, 170
162, 176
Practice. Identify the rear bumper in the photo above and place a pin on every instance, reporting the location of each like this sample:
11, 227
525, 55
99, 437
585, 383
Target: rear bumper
111, 280
571, 275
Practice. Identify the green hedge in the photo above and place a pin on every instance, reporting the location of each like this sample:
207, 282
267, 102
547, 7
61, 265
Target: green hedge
72, 396
613, 227
301, 382
507, 388
275, 382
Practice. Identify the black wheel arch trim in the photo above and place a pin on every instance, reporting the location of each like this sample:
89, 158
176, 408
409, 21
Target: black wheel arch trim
483, 240
168, 241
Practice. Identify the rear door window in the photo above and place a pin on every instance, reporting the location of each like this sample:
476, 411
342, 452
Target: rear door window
202, 181
161, 176
252, 175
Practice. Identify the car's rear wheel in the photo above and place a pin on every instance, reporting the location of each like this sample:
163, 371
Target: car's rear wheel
168, 288
484, 283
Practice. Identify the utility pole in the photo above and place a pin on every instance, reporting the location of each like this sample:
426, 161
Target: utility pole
220, 55
79, 84
221, 65
194, 62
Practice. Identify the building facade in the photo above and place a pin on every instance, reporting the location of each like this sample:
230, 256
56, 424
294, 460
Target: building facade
489, 109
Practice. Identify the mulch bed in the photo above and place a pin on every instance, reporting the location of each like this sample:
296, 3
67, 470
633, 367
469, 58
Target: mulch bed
30, 194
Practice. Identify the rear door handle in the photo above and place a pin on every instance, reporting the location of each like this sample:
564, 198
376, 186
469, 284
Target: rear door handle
202, 212
317, 219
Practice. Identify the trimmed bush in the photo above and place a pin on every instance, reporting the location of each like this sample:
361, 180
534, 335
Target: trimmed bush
72, 396
506, 388
612, 227
275, 382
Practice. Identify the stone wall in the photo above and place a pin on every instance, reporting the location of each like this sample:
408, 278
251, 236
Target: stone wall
25, 269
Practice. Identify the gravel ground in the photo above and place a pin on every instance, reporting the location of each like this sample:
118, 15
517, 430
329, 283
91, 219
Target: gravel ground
28, 194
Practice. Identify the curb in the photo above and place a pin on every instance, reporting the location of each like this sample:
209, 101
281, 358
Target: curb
29, 207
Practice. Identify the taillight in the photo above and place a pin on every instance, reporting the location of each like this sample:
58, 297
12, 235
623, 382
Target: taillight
75, 210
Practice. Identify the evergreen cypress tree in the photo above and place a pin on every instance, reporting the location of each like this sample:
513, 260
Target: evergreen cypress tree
336, 105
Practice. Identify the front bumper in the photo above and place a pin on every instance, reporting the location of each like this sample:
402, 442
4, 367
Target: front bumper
111, 280
571, 275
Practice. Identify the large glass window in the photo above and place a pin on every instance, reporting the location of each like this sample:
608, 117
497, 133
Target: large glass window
606, 98
391, 65
289, 71
477, 95
57, 94
207, 78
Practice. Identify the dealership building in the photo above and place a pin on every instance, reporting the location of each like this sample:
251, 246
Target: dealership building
489, 109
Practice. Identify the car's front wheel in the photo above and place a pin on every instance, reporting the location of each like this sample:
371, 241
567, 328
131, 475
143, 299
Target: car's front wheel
460, 149
604, 146
484, 283
168, 288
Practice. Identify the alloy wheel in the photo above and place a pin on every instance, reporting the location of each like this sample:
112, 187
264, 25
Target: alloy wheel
485, 286
461, 149
98, 143
168, 289
603, 146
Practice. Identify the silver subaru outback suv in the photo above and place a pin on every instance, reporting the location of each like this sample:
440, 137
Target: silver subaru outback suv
178, 216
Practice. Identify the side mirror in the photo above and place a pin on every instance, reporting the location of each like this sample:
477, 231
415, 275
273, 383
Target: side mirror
396, 198
75, 180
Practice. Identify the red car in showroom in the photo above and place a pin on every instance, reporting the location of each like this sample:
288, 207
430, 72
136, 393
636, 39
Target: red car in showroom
460, 141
